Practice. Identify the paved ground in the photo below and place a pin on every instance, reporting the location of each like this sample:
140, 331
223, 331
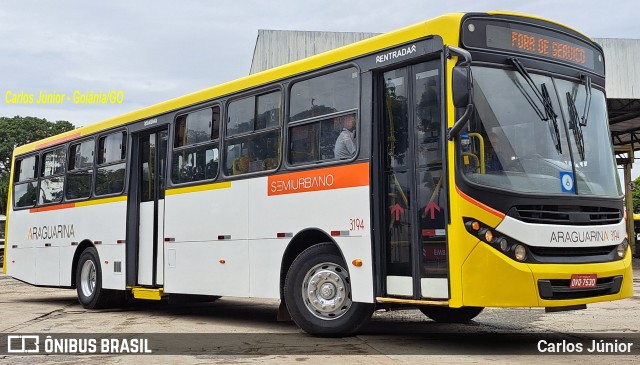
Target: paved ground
249, 333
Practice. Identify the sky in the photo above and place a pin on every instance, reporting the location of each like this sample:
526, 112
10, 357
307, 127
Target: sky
153, 51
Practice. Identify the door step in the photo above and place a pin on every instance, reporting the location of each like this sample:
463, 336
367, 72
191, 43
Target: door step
148, 293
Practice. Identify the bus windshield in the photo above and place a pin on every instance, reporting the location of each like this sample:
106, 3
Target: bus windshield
516, 143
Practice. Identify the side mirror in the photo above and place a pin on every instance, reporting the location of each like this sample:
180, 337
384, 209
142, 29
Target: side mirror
461, 86
461, 89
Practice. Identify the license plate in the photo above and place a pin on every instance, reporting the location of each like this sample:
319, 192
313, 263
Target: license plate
583, 281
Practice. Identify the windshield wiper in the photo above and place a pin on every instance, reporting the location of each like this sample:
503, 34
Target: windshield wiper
586, 81
544, 99
575, 125
553, 126
546, 102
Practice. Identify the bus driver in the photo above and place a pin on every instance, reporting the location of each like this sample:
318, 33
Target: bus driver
345, 146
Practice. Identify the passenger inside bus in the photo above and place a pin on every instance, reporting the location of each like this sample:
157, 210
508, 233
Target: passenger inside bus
345, 146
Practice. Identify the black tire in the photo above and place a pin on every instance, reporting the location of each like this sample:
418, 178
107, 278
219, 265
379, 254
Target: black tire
89, 283
451, 315
346, 316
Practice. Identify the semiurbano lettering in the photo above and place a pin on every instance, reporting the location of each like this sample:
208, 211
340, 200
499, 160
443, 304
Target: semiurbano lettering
303, 183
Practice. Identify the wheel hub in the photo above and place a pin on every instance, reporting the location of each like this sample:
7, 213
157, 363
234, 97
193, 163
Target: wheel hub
88, 278
326, 291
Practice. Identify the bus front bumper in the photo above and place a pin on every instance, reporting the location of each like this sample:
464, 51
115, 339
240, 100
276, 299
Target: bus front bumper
491, 279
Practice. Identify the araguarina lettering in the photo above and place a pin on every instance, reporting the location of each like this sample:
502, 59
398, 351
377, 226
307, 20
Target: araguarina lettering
51, 232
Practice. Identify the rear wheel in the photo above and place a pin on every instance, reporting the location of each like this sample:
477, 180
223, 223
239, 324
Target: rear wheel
89, 283
451, 315
317, 292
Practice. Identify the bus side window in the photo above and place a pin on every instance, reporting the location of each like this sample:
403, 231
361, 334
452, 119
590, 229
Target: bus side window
316, 141
25, 177
333, 96
111, 164
80, 170
52, 176
253, 134
195, 148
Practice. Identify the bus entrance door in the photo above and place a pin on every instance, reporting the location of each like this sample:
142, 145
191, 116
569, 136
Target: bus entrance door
151, 174
413, 194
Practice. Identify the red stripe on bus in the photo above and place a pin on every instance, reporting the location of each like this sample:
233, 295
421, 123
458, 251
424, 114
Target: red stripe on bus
329, 178
59, 140
52, 207
480, 205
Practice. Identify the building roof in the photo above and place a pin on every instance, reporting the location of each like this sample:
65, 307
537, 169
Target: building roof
623, 89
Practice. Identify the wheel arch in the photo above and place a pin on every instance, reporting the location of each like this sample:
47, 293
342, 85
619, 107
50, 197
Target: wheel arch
300, 242
76, 257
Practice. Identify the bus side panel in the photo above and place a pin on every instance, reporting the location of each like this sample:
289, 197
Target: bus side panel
50, 235
265, 257
21, 264
208, 248
109, 254
207, 267
21, 260
66, 263
89, 223
47, 266
326, 208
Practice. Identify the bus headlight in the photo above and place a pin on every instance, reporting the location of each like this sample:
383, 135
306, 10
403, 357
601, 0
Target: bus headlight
504, 244
621, 250
520, 252
488, 235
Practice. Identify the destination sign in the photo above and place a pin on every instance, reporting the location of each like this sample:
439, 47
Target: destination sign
533, 40
538, 44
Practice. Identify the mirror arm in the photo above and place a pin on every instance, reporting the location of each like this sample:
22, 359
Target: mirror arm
457, 126
455, 51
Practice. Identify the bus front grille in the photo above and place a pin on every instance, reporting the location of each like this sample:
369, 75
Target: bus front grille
566, 214
558, 289
572, 251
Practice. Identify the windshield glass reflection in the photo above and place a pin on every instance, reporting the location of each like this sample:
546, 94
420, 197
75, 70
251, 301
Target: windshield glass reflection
509, 146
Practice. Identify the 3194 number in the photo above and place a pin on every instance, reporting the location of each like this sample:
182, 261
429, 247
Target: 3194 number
356, 224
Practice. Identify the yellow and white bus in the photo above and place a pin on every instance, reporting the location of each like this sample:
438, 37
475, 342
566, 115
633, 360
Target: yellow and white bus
459, 163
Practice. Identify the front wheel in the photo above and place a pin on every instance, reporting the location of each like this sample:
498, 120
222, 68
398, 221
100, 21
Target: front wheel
317, 291
451, 315
89, 283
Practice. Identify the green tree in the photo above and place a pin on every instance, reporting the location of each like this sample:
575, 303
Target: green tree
17, 131
636, 196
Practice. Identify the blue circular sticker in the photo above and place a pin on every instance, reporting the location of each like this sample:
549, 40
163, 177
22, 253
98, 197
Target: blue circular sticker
567, 182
